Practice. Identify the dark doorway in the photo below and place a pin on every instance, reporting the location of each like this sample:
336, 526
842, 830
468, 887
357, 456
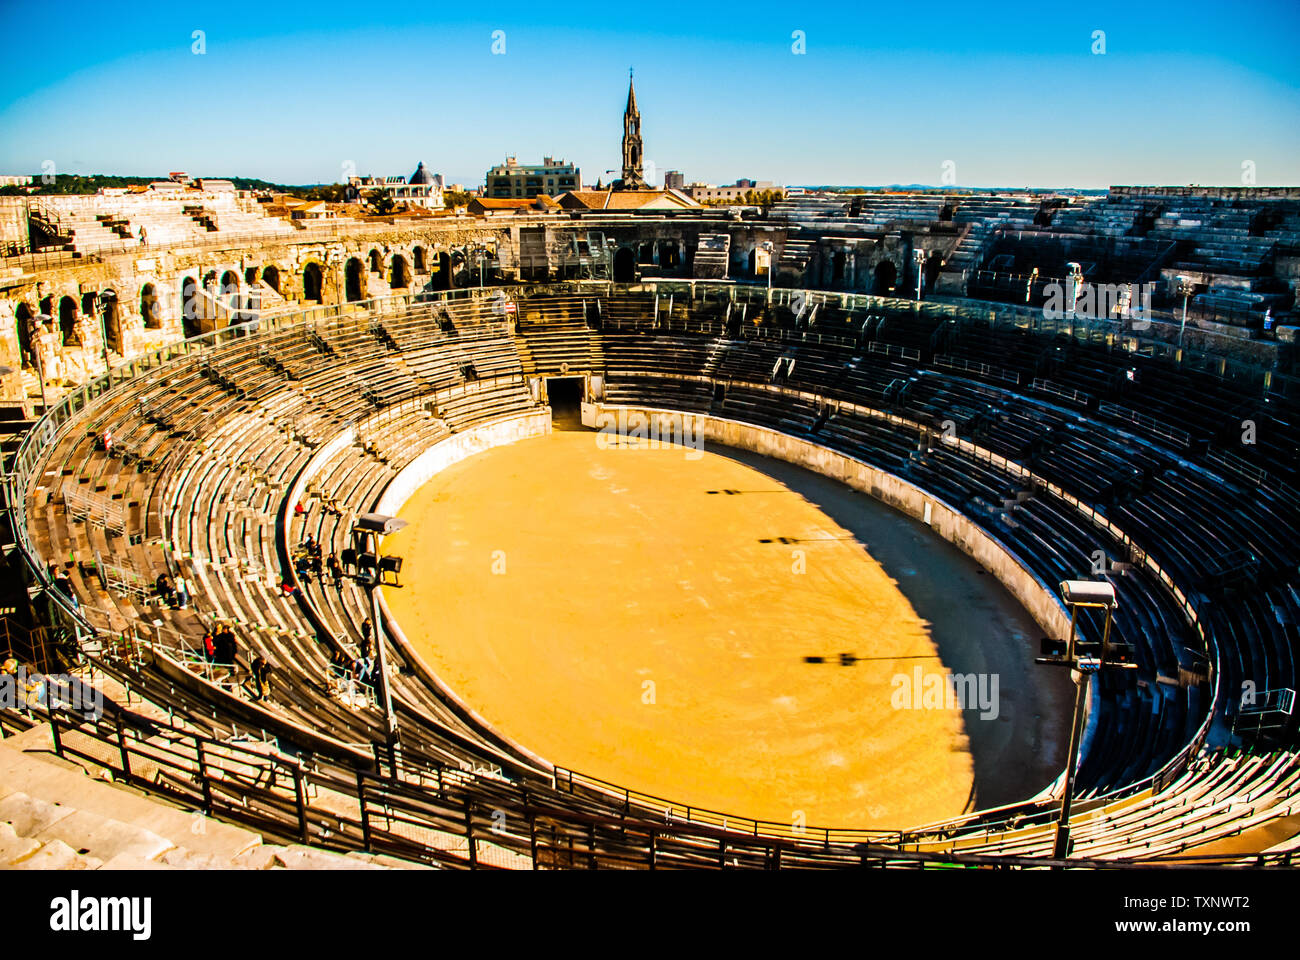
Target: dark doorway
565, 397
399, 275
23, 317
442, 279
191, 308
886, 276
271, 277
68, 322
837, 268
625, 266
313, 285
149, 310
933, 267
353, 280
112, 320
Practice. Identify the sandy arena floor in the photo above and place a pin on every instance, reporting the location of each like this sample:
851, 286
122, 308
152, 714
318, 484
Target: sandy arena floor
645, 618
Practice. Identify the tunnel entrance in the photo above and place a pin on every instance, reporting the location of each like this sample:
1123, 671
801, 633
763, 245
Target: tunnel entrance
565, 397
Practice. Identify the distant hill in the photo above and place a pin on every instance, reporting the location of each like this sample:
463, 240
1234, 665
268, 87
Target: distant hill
74, 184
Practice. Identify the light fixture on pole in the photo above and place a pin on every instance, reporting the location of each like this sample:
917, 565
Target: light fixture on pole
1084, 660
1185, 291
1076, 284
368, 531
1029, 284
918, 257
769, 248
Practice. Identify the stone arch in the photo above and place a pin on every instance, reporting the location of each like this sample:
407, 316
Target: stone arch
932, 268
417, 259
111, 312
313, 283
443, 280
884, 278
625, 265
271, 277
376, 262
230, 294
354, 289
150, 308
23, 317
191, 308
68, 322
399, 273
839, 261
669, 254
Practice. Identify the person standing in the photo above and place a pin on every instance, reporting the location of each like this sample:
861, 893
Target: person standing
182, 588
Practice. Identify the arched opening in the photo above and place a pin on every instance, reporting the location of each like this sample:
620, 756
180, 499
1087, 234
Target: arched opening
313, 283
669, 254
933, 266
150, 309
68, 321
230, 295
112, 318
443, 280
26, 335
625, 266
250, 276
884, 278
751, 264
417, 257
191, 308
399, 274
376, 262
838, 259
352, 280
271, 277
646, 252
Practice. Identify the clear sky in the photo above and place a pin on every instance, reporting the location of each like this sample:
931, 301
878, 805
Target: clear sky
1010, 94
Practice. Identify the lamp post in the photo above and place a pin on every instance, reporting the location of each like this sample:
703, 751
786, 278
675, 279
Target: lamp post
1076, 283
918, 257
1029, 284
768, 247
1081, 595
368, 531
1184, 290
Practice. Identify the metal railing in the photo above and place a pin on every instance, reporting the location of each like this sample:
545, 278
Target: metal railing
42, 437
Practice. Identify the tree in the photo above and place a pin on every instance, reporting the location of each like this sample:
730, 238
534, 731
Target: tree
381, 204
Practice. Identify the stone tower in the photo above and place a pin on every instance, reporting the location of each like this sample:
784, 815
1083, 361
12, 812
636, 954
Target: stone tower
632, 152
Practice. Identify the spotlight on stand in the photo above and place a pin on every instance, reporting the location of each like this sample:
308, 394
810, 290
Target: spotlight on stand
368, 530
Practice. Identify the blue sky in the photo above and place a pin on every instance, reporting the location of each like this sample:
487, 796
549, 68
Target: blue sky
1011, 94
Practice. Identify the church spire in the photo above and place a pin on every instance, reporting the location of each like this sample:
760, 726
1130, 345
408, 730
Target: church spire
633, 179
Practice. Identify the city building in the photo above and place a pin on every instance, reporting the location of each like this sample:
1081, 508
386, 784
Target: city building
674, 180
706, 192
512, 179
421, 189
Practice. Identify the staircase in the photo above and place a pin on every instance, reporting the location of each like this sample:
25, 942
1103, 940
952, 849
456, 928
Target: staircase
525, 355
794, 260
712, 256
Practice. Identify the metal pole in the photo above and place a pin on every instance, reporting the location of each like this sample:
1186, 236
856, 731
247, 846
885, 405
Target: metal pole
385, 695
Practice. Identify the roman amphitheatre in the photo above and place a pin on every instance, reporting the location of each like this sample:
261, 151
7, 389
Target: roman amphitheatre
552, 646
